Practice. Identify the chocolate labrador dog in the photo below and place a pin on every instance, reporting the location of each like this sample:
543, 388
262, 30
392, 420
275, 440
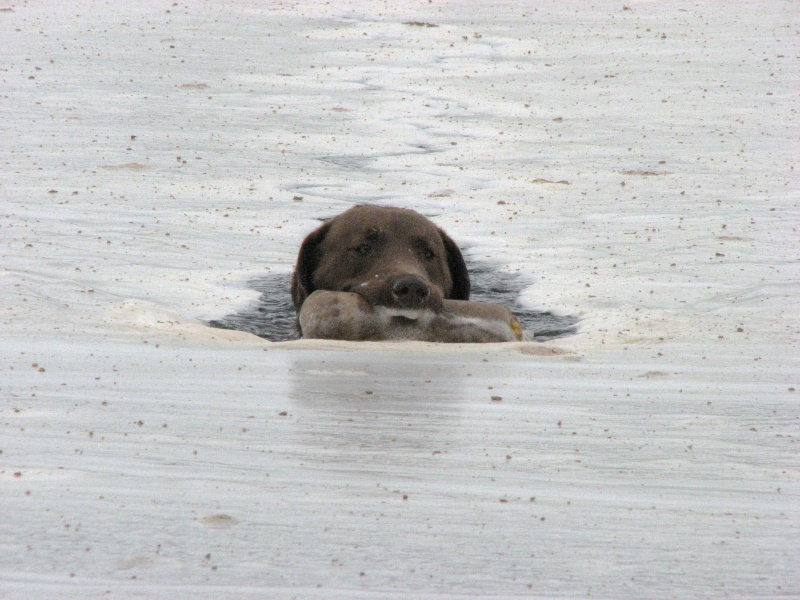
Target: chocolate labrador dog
391, 257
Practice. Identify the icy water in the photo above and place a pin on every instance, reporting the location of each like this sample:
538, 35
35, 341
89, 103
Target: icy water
273, 317
635, 164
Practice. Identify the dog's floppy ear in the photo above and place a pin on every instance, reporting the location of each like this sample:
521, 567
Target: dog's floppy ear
458, 269
306, 263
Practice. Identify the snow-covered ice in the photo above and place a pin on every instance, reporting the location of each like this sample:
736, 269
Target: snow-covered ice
635, 162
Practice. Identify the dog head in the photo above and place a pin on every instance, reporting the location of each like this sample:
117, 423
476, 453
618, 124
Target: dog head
392, 257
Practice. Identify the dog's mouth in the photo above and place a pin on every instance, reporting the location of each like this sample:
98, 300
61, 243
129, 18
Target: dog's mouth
394, 304
406, 316
403, 314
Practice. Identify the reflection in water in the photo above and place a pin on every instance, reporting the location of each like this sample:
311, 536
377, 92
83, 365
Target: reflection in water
383, 403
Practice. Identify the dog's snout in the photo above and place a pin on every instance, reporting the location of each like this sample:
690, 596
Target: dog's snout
410, 291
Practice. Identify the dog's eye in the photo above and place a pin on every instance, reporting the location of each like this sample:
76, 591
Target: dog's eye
363, 249
428, 253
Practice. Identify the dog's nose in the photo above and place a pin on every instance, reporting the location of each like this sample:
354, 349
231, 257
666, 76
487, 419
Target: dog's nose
410, 291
